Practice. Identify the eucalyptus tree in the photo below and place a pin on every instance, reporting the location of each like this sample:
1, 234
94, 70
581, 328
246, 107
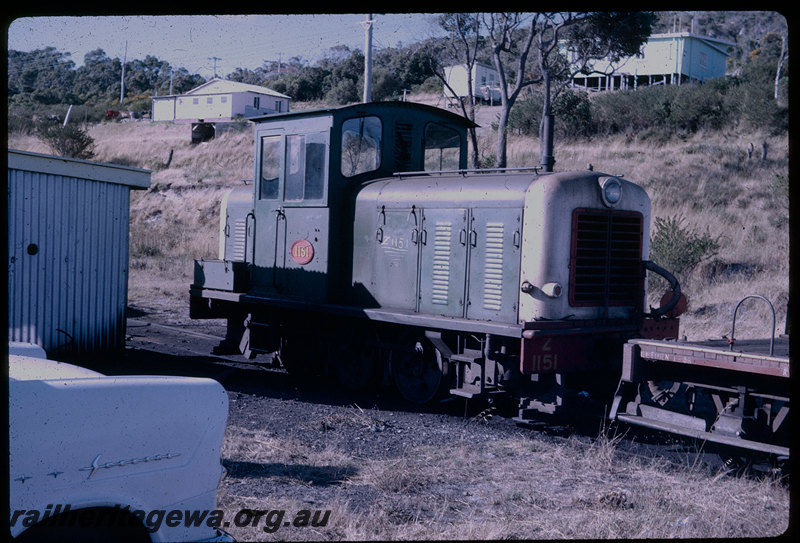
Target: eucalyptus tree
461, 46
558, 44
46, 75
98, 80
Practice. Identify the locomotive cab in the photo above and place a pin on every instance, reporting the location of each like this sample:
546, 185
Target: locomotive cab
308, 166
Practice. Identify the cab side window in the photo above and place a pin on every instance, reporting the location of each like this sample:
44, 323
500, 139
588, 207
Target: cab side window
442, 148
361, 145
305, 167
270, 167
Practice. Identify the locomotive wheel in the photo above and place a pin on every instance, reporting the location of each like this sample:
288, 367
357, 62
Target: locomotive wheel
419, 373
300, 359
353, 367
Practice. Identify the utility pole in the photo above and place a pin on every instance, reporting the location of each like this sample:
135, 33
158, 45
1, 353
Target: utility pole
367, 24
215, 59
122, 77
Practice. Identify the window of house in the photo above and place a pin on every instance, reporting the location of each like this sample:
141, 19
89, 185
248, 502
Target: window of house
210, 100
270, 167
256, 102
195, 101
442, 148
305, 167
223, 99
361, 145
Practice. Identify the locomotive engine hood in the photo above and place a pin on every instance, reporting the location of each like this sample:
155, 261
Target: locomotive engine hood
568, 217
532, 272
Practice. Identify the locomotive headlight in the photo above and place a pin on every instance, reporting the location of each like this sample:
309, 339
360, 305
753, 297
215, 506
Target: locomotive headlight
611, 190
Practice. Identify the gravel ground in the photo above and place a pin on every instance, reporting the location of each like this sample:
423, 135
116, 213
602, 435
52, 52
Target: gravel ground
299, 445
374, 423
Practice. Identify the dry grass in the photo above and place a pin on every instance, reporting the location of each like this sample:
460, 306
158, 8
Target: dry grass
706, 179
518, 488
515, 488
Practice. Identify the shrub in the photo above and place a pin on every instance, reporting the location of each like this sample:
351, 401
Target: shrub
68, 141
344, 92
524, 116
571, 109
573, 113
679, 248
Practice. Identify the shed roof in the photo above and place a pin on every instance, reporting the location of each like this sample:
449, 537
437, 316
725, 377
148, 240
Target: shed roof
135, 178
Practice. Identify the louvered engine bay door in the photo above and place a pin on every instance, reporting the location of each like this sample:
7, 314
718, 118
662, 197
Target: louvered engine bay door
443, 259
469, 263
494, 264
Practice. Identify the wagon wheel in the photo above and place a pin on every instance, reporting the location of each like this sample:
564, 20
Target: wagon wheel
353, 367
661, 392
419, 373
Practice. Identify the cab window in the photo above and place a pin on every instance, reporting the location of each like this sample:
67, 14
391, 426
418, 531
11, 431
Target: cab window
361, 145
442, 148
270, 167
305, 167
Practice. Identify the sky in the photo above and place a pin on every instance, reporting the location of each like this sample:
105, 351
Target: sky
203, 43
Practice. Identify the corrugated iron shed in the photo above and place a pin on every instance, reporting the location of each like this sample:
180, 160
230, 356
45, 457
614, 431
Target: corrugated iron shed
68, 225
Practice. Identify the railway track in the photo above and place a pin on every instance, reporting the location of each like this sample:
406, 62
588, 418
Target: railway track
191, 351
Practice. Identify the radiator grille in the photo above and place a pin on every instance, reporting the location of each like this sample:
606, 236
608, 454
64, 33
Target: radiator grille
605, 265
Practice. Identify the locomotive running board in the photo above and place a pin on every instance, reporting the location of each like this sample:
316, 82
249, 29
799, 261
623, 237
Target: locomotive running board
702, 434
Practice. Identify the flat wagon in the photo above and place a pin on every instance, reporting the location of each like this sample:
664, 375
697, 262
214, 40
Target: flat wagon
725, 391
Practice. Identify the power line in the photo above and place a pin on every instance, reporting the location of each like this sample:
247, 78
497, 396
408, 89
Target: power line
215, 59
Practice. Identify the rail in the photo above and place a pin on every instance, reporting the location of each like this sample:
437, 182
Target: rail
534, 169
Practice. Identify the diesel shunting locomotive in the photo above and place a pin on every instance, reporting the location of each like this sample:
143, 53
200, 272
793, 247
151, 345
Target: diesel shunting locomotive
366, 250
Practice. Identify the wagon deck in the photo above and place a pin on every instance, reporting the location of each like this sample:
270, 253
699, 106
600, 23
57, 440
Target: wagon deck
749, 356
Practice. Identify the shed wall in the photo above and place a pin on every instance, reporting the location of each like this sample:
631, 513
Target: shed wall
68, 260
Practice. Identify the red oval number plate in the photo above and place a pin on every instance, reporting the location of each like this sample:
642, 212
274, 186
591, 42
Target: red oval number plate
302, 251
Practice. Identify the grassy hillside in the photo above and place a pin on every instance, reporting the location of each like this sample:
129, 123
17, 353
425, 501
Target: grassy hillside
706, 180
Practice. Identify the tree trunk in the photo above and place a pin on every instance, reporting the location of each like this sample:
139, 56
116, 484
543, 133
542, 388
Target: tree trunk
780, 65
502, 124
473, 157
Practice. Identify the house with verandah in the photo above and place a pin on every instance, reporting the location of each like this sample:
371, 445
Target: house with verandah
665, 59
